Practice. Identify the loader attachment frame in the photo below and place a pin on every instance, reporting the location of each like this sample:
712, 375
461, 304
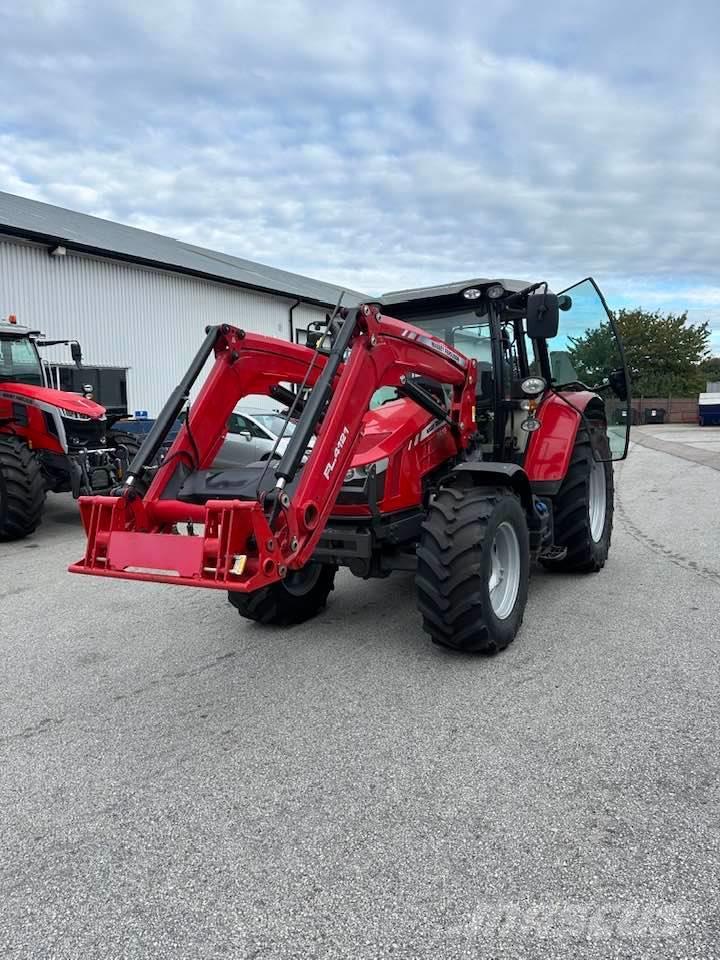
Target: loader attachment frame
252, 541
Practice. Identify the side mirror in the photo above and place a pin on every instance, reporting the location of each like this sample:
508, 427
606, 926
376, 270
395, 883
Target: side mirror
245, 434
618, 383
76, 353
312, 339
319, 340
542, 316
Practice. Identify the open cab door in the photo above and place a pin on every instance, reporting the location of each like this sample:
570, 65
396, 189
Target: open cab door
588, 350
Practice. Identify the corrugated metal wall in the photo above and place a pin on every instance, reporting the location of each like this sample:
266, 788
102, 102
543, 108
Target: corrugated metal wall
124, 315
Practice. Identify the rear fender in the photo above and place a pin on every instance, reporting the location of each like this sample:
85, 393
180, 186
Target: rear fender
549, 450
481, 474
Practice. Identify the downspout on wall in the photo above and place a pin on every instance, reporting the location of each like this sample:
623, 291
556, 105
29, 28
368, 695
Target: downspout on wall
291, 310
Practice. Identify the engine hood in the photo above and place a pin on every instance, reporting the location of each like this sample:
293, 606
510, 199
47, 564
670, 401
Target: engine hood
388, 429
73, 402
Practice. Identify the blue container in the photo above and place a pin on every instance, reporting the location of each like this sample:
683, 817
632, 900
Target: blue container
709, 410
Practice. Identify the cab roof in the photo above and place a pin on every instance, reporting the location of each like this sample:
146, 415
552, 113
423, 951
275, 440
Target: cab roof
448, 290
13, 329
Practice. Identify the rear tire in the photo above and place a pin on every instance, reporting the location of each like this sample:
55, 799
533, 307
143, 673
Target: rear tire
299, 597
22, 490
473, 568
578, 527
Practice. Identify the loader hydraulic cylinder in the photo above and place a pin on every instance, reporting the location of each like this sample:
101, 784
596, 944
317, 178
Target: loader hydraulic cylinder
315, 404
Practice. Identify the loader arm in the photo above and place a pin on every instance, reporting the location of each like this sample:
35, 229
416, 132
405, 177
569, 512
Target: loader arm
252, 537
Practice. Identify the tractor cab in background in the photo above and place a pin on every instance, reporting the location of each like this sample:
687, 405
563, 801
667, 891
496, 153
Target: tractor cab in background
19, 358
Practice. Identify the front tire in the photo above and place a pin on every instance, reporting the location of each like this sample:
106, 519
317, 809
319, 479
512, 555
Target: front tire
130, 441
583, 509
298, 597
22, 490
473, 568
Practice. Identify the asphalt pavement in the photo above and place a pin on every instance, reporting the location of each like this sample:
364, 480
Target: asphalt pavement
686, 441
177, 782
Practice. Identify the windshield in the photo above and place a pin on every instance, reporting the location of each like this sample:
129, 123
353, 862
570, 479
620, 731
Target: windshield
444, 324
474, 342
19, 361
463, 330
275, 423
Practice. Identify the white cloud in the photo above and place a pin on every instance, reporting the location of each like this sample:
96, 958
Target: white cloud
382, 147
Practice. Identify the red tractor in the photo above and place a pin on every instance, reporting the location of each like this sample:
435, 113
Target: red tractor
49, 439
448, 440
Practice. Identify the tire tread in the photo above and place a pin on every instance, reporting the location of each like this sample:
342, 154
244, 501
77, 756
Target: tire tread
571, 518
449, 584
22, 489
275, 605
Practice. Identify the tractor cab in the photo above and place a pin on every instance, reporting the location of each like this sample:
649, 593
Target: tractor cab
19, 358
505, 327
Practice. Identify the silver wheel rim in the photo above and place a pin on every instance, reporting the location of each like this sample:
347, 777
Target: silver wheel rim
505, 571
597, 500
300, 582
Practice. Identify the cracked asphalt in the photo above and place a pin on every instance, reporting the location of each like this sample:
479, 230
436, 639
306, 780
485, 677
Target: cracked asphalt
175, 782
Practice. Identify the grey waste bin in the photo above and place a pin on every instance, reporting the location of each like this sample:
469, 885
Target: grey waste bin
654, 415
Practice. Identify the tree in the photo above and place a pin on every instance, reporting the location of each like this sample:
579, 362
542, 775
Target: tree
709, 370
663, 353
594, 354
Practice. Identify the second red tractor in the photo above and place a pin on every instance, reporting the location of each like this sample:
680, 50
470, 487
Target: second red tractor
50, 440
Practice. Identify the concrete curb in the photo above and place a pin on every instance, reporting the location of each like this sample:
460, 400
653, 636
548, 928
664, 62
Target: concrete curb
681, 450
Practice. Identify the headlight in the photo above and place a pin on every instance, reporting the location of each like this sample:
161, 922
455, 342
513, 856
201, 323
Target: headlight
533, 386
71, 415
472, 293
495, 291
530, 425
358, 475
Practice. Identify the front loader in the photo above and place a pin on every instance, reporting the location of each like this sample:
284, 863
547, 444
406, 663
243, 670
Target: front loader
443, 445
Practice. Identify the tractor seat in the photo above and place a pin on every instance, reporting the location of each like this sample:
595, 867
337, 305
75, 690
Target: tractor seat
238, 483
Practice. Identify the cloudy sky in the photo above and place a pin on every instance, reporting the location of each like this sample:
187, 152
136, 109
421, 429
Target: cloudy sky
383, 145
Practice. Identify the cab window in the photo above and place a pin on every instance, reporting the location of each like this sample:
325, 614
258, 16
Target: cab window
19, 361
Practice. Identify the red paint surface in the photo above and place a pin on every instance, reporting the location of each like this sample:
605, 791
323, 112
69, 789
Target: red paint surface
35, 433
124, 534
55, 398
550, 448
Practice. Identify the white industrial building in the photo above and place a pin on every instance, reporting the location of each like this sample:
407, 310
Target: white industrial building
137, 299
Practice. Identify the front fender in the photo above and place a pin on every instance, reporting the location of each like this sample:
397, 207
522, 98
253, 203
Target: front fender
549, 449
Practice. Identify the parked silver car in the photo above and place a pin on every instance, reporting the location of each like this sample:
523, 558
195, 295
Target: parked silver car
251, 436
